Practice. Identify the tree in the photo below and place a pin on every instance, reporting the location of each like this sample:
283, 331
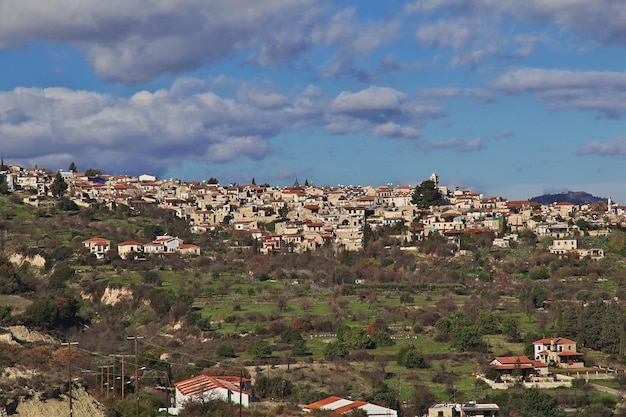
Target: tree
464, 335
273, 387
212, 180
537, 404
367, 234
511, 329
296, 184
426, 195
421, 398
59, 186
356, 338
4, 187
151, 231
335, 350
290, 335
283, 211
226, 351
260, 349
91, 172
72, 167
410, 357
52, 313
65, 204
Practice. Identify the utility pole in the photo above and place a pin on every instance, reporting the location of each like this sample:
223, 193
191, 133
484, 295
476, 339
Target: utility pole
136, 338
106, 384
69, 372
123, 376
167, 394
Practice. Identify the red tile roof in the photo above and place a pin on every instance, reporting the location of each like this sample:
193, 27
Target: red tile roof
555, 340
129, 243
324, 402
204, 383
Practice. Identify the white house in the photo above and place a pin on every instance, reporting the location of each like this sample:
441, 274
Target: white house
129, 249
98, 246
471, 408
341, 405
558, 350
204, 387
162, 245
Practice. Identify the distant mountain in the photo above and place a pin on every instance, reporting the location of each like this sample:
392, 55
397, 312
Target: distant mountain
574, 197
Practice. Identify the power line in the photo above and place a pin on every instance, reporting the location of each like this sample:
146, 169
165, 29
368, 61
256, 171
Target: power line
69, 372
136, 338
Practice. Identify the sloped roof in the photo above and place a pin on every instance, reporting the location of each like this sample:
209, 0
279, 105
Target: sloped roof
325, 403
569, 353
97, 240
555, 340
341, 405
204, 383
510, 362
130, 243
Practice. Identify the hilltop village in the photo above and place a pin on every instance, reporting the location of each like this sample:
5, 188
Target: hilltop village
306, 217
279, 298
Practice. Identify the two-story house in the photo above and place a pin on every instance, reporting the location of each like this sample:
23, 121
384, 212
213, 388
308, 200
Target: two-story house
558, 351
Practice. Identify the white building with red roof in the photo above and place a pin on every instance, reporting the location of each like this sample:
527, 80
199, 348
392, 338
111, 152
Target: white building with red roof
98, 246
560, 351
231, 389
341, 406
188, 249
129, 249
505, 365
162, 245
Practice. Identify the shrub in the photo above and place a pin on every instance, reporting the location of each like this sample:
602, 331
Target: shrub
260, 349
290, 335
226, 351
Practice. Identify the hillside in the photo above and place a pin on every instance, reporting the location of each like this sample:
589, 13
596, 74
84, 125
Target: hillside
573, 197
83, 405
303, 326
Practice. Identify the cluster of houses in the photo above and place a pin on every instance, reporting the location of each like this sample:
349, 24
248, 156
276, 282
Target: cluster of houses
556, 352
237, 390
162, 245
307, 217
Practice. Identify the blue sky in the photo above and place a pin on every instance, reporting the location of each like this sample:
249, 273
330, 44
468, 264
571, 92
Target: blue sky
502, 99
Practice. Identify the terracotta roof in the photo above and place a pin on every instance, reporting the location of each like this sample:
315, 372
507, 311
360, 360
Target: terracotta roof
322, 403
204, 383
512, 359
555, 340
96, 240
569, 353
349, 407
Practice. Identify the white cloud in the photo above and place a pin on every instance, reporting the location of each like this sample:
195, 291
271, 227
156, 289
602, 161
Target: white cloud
393, 130
442, 92
343, 30
454, 33
134, 41
153, 129
472, 145
598, 91
613, 149
373, 99
480, 29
